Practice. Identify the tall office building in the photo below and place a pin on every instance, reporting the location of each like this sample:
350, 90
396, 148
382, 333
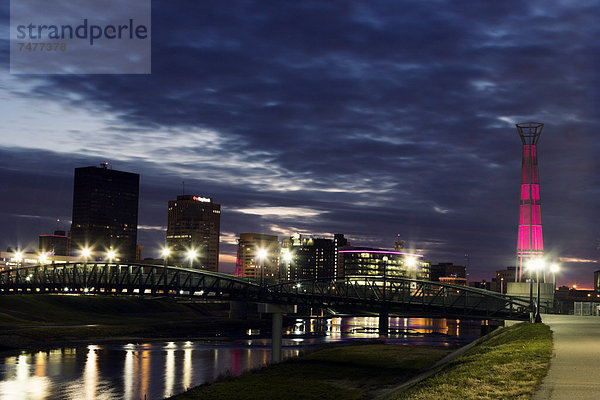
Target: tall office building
258, 257
105, 211
194, 225
308, 258
56, 244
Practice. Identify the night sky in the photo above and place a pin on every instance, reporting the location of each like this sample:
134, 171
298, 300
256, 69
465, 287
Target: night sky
371, 119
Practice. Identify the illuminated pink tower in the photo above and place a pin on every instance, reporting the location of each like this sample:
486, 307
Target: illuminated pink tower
530, 244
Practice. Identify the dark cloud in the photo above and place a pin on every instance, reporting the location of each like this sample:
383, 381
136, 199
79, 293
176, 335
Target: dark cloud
386, 117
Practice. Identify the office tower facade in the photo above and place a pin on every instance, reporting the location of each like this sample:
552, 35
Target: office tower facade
529, 243
194, 225
258, 257
340, 243
308, 258
105, 212
364, 261
57, 244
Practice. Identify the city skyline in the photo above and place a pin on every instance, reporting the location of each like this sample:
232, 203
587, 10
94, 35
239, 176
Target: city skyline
368, 120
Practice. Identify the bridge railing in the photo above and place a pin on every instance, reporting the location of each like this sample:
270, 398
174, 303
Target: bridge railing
404, 294
397, 294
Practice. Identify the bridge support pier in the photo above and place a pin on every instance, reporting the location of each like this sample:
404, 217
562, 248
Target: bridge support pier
384, 323
277, 312
238, 310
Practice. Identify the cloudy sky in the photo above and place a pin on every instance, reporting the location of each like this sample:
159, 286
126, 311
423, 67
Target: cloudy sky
371, 119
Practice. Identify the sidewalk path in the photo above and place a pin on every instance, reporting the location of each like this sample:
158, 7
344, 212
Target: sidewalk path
575, 365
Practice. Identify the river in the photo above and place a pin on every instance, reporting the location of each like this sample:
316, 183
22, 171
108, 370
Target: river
157, 370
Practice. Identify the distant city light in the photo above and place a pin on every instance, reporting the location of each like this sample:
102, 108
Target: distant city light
18, 256
287, 257
536, 264
86, 252
410, 262
261, 254
191, 254
166, 251
554, 268
111, 255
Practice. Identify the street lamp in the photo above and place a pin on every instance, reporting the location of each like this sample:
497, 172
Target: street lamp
111, 255
18, 257
537, 264
261, 255
43, 258
85, 253
191, 255
165, 253
554, 269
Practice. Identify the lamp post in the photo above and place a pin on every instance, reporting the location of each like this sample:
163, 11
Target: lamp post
530, 266
85, 253
18, 257
111, 255
165, 253
191, 255
261, 255
538, 265
554, 269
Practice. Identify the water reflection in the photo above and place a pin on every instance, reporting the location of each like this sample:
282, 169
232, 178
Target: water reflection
401, 330
158, 370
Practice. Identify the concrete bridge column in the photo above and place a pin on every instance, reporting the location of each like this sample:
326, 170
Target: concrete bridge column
384, 323
277, 312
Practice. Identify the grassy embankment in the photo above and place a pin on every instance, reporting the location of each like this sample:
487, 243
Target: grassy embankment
508, 364
335, 373
34, 321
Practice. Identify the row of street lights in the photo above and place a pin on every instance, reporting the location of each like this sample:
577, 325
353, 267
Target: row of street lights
190, 254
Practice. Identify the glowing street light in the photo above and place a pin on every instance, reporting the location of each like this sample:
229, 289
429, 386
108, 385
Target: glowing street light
165, 254
261, 256
18, 256
86, 253
538, 265
111, 255
43, 258
191, 255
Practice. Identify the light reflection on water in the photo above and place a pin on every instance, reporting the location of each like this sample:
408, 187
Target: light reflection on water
158, 370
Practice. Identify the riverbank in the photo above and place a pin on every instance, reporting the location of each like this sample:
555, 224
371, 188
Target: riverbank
349, 372
39, 322
509, 363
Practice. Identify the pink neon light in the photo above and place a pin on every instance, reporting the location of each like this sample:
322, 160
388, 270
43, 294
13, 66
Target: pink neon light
530, 240
380, 252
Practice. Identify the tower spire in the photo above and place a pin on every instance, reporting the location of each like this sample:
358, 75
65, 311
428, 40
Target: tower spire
530, 243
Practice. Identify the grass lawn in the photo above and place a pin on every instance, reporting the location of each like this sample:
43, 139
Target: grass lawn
350, 372
510, 364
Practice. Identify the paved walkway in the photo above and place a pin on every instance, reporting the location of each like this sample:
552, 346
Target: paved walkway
575, 365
